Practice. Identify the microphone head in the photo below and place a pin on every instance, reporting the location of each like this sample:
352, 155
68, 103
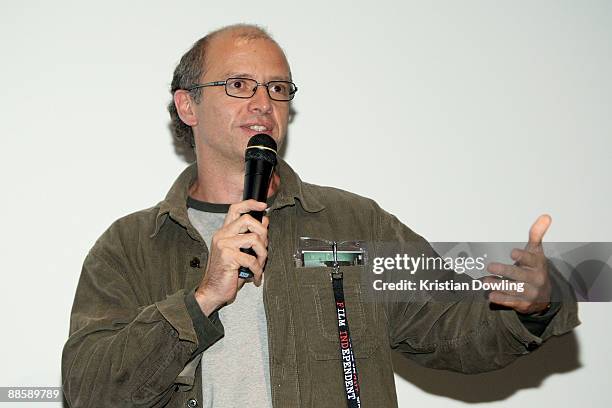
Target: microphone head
261, 147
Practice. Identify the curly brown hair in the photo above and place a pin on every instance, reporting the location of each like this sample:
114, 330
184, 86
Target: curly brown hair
191, 67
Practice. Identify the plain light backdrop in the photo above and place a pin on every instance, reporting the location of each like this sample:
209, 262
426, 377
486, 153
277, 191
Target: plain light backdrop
465, 119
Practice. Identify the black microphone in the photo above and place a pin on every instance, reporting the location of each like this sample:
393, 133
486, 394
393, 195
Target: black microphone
259, 162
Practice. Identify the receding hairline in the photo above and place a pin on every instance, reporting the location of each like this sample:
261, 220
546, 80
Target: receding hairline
240, 32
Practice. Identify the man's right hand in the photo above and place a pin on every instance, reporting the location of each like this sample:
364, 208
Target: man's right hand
220, 283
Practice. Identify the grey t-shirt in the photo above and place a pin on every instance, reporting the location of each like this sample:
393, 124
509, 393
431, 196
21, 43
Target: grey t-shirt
236, 369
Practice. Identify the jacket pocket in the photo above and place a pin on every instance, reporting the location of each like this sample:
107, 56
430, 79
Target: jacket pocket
318, 312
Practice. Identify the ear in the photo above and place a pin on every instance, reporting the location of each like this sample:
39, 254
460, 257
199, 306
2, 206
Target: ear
185, 107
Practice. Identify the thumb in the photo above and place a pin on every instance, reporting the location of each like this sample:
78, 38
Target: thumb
537, 231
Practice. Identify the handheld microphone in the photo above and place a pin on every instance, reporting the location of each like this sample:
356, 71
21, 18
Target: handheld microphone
259, 162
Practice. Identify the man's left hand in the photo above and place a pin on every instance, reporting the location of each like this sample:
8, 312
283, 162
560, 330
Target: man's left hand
531, 268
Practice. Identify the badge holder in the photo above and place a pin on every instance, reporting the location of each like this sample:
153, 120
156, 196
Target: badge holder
323, 253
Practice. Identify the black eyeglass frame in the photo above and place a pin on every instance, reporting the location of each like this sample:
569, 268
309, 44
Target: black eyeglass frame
258, 84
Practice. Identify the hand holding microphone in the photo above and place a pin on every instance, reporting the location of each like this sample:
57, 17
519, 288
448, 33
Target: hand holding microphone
240, 245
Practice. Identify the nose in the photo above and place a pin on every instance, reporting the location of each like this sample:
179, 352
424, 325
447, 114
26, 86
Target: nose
260, 102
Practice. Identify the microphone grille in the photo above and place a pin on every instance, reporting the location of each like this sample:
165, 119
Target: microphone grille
261, 147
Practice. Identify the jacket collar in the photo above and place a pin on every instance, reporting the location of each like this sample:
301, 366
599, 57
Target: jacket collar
291, 189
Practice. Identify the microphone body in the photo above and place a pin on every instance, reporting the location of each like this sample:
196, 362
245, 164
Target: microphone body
259, 161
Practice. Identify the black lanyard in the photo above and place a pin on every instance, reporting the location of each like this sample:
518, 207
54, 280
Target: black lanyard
347, 357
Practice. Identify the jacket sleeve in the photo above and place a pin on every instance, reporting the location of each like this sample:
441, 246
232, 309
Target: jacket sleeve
121, 351
464, 334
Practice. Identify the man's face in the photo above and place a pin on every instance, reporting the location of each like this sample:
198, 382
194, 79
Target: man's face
225, 124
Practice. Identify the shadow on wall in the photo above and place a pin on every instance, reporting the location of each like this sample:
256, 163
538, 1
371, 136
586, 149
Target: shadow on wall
558, 355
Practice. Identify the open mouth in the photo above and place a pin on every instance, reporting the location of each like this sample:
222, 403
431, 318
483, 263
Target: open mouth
258, 128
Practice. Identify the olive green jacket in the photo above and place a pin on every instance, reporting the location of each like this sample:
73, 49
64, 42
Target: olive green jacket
137, 334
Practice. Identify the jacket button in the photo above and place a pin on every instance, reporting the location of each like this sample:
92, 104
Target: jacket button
195, 263
192, 403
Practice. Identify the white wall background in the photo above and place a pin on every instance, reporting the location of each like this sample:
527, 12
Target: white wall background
477, 115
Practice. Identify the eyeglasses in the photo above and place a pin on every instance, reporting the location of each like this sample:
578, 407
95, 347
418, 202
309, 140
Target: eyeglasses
245, 88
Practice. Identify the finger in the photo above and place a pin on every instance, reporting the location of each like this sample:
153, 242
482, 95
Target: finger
260, 251
249, 240
257, 282
236, 210
537, 231
266, 223
524, 291
525, 258
257, 277
241, 282
257, 227
245, 223
248, 261
261, 255
513, 302
508, 271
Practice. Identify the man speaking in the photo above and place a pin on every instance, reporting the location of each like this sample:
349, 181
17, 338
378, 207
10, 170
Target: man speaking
161, 317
